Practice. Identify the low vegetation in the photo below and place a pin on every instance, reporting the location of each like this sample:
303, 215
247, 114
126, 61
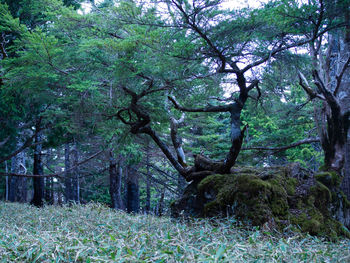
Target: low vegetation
95, 233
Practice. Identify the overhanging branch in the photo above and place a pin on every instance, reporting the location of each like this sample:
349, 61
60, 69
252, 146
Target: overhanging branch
209, 108
283, 148
56, 175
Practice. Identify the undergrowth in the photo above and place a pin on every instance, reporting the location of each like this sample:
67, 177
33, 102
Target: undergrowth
95, 233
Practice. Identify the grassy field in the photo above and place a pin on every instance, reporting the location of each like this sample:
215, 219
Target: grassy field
94, 233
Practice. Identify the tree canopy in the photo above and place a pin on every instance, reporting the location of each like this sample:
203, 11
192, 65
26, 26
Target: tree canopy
202, 85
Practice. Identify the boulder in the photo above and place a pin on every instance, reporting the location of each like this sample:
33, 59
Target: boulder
273, 197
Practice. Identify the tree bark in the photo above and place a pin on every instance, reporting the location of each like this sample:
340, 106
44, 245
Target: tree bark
177, 140
181, 183
345, 186
160, 205
38, 182
22, 182
75, 174
132, 188
18, 185
49, 184
12, 182
67, 179
115, 176
6, 183
148, 182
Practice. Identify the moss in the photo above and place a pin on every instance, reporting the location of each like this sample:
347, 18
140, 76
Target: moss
331, 179
291, 183
311, 221
257, 196
345, 200
280, 208
216, 181
320, 196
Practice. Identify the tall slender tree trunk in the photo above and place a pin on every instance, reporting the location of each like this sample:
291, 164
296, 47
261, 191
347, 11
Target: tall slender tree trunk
6, 183
48, 190
115, 181
38, 182
22, 182
48, 182
67, 179
132, 190
12, 183
18, 185
160, 205
148, 182
75, 174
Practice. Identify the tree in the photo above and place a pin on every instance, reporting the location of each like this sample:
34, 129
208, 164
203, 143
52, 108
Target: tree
227, 45
330, 74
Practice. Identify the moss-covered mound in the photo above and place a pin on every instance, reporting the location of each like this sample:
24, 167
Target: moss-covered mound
274, 197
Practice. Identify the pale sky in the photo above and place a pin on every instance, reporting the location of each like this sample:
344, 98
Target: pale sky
232, 4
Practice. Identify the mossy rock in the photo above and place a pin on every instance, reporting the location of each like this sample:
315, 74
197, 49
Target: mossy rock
277, 196
329, 178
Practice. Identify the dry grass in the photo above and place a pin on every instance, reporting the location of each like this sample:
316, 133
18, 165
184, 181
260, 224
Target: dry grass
94, 233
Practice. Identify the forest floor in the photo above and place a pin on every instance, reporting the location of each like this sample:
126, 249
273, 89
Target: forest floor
95, 233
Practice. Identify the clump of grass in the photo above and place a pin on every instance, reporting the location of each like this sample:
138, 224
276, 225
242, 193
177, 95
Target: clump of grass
95, 233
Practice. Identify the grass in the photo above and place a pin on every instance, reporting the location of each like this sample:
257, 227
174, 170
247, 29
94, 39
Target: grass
95, 233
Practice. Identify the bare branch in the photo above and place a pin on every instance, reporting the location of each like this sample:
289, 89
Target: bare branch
209, 108
57, 175
305, 85
296, 44
25, 145
339, 77
5, 141
331, 99
283, 148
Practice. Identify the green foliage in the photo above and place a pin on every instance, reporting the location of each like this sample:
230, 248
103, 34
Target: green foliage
95, 233
69, 68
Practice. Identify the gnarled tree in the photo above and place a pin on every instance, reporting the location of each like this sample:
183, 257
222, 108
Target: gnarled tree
235, 45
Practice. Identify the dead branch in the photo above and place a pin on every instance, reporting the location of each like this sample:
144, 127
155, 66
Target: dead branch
305, 85
26, 144
56, 175
209, 108
339, 77
283, 148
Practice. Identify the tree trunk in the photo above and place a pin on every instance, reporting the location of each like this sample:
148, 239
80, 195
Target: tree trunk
12, 183
331, 77
160, 204
18, 185
67, 179
48, 182
132, 191
345, 186
75, 175
48, 190
6, 183
148, 183
115, 179
181, 183
22, 182
345, 102
38, 182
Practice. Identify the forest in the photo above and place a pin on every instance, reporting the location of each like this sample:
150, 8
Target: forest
212, 125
